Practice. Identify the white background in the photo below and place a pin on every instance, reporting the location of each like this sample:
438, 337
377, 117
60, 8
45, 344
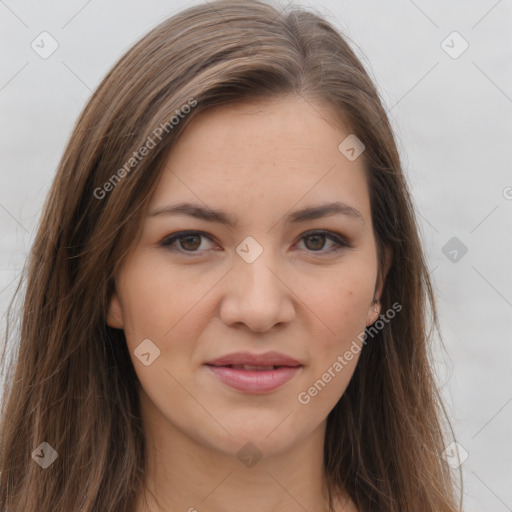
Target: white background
453, 123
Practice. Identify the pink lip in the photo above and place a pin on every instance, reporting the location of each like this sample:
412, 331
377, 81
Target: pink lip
254, 381
265, 359
229, 371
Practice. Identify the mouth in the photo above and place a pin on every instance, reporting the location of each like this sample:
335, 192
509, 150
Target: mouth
254, 379
251, 367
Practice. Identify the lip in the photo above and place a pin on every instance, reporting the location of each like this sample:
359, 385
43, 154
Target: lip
249, 358
228, 370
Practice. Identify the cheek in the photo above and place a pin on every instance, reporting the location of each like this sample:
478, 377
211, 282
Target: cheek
147, 302
341, 304
342, 308
163, 304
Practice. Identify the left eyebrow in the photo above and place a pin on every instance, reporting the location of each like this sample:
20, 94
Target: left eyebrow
324, 210
302, 215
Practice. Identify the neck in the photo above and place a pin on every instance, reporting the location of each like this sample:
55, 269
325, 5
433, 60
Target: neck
186, 474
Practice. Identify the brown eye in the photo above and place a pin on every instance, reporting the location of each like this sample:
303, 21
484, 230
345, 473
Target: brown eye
187, 242
317, 242
190, 242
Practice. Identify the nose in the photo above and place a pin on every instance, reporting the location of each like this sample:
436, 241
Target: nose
257, 295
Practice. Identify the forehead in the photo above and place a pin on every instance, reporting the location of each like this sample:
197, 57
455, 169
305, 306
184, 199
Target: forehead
283, 150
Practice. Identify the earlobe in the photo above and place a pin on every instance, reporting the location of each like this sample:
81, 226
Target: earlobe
373, 313
114, 314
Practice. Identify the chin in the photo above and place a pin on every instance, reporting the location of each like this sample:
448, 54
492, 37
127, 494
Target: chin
264, 436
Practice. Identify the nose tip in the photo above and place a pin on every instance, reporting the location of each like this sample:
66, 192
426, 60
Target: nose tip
255, 296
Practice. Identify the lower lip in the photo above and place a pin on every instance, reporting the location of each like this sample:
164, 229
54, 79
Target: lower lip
253, 381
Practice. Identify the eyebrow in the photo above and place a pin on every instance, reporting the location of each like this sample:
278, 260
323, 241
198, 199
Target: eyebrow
305, 214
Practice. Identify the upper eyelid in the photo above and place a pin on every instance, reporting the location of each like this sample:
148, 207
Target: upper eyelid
181, 234
337, 238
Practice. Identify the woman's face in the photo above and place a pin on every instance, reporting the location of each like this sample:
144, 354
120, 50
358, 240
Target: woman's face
260, 270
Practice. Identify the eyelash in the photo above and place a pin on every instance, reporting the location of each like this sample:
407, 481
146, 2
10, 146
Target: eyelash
341, 243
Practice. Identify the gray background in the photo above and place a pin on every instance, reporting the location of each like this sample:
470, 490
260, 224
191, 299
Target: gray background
453, 123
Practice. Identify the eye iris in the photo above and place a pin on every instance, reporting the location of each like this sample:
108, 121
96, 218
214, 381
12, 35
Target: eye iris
185, 239
192, 242
317, 237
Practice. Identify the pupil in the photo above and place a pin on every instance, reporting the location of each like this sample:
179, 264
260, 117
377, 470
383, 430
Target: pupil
318, 238
187, 239
318, 242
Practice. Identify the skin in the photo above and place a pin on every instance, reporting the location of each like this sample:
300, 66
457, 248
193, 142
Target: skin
258, 162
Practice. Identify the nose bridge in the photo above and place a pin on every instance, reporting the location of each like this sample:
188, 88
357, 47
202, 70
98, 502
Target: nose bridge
257, 278
256, 296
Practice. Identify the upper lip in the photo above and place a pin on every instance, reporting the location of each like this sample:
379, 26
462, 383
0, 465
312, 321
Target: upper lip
248, 358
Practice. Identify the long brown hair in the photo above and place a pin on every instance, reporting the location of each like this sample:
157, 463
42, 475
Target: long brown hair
71, 382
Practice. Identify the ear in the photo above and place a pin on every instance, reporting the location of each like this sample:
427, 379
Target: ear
374, 310
115, 312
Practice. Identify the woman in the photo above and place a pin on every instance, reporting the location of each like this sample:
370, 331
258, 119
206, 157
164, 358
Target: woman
226, 302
